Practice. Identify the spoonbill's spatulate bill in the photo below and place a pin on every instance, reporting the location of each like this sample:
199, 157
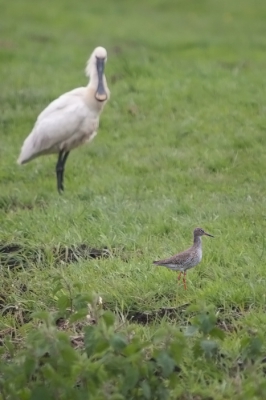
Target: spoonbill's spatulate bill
187, 259
71, 120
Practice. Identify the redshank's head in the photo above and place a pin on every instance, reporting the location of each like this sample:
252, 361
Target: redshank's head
201, 232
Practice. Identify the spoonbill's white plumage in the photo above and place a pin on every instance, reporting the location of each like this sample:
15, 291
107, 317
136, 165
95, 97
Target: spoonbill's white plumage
70, 120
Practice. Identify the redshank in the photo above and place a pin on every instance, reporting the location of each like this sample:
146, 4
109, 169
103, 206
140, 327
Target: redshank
188, 258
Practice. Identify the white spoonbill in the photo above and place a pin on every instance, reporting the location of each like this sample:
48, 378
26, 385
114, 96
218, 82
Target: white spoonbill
70, 120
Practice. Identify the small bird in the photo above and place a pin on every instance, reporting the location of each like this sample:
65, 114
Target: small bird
188, 258
71, 120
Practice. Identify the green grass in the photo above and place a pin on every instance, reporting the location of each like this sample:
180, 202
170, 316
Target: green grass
181, 144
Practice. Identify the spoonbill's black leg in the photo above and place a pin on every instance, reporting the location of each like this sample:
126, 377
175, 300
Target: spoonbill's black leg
60, 167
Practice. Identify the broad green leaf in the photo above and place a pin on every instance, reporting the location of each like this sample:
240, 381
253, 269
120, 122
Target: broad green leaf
68, 354
162, 393
251, 347
42, 315
29, 365
146, 389
48, 371
108, 318
191, 330
79, 315
24, 394
118, 342
204, 322
160, 335
176, 349
166, 363
116, 396
197, 349
132, 348
41, 393
43, 347
81, 301
78, 286
131, 377
101, 344
193, 308
217, 333
57, 288
63, 302
209, 347
255, 345
90, 340
10, 346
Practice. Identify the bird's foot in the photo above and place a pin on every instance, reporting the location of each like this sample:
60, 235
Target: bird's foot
60, 189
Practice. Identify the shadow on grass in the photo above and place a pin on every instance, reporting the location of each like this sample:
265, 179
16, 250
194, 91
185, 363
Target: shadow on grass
226, 321
16, 256
147, 317
9, 203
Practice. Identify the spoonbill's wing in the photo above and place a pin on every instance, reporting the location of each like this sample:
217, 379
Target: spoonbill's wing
61, 120
61, 102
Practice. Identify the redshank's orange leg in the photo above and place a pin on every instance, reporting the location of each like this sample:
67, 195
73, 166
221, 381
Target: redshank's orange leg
184, 281
179, 276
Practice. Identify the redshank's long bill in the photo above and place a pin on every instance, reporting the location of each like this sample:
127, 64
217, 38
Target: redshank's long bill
187, 259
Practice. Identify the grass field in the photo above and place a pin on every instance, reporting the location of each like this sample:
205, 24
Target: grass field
181, 144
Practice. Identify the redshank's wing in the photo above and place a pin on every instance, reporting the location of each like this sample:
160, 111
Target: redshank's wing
176, 261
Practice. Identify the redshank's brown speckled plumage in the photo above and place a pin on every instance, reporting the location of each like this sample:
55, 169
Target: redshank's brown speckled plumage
188, 258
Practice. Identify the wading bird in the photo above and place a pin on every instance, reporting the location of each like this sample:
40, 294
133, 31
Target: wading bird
71, 120
187, 259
